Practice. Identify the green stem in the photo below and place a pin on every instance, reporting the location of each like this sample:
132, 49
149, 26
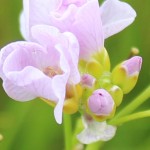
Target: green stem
68, 132
95, 146
131, 117
133, 105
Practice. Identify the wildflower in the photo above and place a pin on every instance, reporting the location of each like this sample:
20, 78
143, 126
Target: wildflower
43, 69
77, 16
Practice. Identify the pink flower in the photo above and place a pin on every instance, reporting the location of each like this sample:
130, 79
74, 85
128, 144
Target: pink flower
90, 23
30, 70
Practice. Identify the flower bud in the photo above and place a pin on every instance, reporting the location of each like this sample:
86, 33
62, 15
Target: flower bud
98, 63
87, 80
125, 75
117, 94
101, 103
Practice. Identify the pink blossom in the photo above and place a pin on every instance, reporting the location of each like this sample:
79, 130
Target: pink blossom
30, 70
90, 23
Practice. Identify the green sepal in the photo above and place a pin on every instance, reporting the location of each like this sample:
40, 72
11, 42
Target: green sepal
123, 80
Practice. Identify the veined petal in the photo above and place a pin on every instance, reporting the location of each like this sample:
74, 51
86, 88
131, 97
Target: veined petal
116, 16
22, 54
41, 87
18, 93
88, 29
47, 35
96, 131
36, 12
59, 85
72, 54
68, 44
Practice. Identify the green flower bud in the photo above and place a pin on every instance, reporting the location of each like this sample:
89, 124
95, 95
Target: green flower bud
125, 75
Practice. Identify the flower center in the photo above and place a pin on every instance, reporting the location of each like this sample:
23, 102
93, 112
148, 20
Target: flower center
52, 71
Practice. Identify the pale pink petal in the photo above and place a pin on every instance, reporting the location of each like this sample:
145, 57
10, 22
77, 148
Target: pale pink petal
88, 29
67, 42
64, 20
59, 85
47, 35
41, 87
5, 51
36, 12
25, 54
18, 93
116, 15
25, 76
24, 28
72, 54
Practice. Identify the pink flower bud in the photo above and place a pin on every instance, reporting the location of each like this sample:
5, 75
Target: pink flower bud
101, 102
87, 80
132, 65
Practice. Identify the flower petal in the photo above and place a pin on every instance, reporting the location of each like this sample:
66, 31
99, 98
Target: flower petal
41, 87
88, 29
59, 85
36, 12
72, 54
24, 54
96, 131
17, 92
116, 16
67, 43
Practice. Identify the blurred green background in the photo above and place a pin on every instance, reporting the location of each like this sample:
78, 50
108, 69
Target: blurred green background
31, 125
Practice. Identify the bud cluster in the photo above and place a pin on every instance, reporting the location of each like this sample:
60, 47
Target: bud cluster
103, 89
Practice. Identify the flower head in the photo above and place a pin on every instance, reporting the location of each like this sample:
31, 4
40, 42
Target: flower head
41, 69
78, 17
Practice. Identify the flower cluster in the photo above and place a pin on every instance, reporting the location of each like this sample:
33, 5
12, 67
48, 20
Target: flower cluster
63, 61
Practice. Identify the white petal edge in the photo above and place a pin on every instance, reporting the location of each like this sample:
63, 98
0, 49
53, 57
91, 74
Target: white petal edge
96, 131
116, 16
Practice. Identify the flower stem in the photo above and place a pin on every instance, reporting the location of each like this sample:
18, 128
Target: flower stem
95, 146
133, 105
131, 117
68, 132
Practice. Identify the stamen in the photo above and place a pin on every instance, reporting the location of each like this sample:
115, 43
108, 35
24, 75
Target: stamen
51, 71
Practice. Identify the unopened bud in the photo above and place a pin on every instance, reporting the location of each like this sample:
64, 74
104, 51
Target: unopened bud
87, 80
99, 63
101, 103
117, 94
125, 75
